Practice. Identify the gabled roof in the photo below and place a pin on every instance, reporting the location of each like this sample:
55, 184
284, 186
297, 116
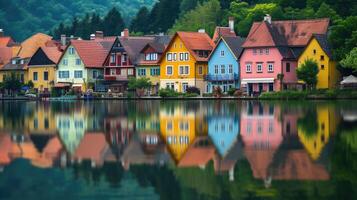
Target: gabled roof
6, 41
285, 33
233, 43
5, 55
18, 66
134, 45
159, 45
322, 40
92, 52
46, 56
30, 45
53, 53
222, 32
194, 41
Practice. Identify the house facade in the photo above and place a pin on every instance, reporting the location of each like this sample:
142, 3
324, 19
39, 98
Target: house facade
185, 61
16, 66
42, 68
81, 65
121, 61
318, 50
271, 51
223, 64
148, 65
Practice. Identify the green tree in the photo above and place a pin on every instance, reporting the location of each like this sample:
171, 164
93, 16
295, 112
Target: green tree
205, 16
113, 23
141, 21
325, 11
308, 124
12, 83
307, 72
139, 84
350, 61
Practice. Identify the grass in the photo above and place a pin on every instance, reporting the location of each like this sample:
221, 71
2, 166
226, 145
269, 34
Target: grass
315, 94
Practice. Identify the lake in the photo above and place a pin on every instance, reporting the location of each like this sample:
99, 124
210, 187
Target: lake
178, 150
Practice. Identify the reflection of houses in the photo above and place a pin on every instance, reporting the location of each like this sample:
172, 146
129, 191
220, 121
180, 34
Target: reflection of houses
261, 133
41, 150
42, 121
326, 126
93, 147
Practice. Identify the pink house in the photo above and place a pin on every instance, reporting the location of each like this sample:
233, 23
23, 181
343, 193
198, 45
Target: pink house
271, 51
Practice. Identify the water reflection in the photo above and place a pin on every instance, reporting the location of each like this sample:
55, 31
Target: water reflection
208, 148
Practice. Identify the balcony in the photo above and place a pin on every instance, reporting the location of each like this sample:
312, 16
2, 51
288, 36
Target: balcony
117, 77
222, 77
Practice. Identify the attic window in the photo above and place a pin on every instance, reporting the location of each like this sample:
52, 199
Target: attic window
322, 57
322, 67
314, 51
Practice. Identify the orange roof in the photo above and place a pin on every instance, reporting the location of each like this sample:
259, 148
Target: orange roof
259, 161
93, 52
5, 144
5, 41
197, 156
30, 45
5, 55
92, 147
222, 32
53, 53
285, 33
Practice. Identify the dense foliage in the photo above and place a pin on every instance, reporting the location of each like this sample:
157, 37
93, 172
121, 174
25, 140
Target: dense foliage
307, 72
22, 18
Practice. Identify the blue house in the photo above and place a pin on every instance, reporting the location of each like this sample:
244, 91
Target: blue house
223, 64
223, 131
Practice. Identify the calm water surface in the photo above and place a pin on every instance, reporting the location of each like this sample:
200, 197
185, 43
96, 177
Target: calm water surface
178, 150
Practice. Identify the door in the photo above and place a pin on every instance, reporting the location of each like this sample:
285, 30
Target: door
271, 87
260, 87
250, 88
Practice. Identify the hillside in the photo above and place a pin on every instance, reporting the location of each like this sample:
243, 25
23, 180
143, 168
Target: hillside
21, 19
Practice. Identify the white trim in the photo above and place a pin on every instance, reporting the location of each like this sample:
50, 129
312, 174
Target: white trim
172, 70
257, 80
184, 66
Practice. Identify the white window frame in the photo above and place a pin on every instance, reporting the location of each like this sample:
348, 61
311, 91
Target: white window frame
248, 67
130, 72
141, 72
172, 70
223, 69
112, 58
78, 61
216, 69
65, 61
187, 57
230, 69
270, 67
222, 53
266, 51
182, 56
71, 50
76, 72
169, 57
184, 70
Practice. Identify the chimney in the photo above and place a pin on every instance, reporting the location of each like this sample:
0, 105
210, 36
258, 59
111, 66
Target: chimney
202, 30
92, 36
231, 23
99, 34
267, 18
63, 40
125, 33
1, 33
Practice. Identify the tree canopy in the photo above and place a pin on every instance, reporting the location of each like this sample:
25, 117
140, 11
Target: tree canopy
307, 72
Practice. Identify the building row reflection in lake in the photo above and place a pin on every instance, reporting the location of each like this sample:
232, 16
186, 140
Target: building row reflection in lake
279, 142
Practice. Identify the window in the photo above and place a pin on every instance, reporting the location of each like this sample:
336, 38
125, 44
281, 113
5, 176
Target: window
151, 56
322, 57
182, 56
124, 58
170, 86
169, 56
78, 61
169, 70
254, 51
65, 61
130, 72
155, 72
174, 56
261, 51
259, 67
314, 51
184, 70
184, 87
47, 124
186, 56
45, 76
200, 70
322, 67
270, 67
78, 74
230, 69
113, 72
223, 69
71, 50
248, 68
287, 67
267, 51
63, 74
142, 72
216, 69
222, 53
95, 74
35, 76
112, 58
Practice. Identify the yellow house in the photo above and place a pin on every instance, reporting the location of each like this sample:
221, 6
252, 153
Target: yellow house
184, 61
178, 129
42, 122
16, 66
327, 123
318, 50
42, 66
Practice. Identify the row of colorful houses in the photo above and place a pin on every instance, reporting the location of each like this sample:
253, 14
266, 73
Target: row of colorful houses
264, 61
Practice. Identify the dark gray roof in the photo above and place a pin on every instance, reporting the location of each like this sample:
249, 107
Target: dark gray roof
235, 44
290, 52
322, 40
134, 45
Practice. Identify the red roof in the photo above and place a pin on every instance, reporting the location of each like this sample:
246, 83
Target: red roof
92, 146
285, 33
5, 41
222, 32
5, 55
93, 52
53, 53
196, 155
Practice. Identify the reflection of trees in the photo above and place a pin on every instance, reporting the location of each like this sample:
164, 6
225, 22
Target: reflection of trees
14, 114
308, 123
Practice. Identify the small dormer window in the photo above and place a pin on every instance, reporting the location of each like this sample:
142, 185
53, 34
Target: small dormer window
13, 61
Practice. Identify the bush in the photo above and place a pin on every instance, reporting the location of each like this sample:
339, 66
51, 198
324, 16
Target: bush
193, 90
231, 91
168, 93
190, 95
238, 93
284, 95
217, 92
